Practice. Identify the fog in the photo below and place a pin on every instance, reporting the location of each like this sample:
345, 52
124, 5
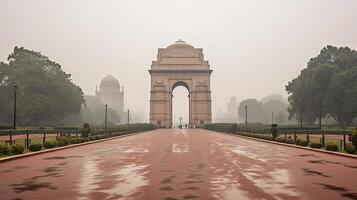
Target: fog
254, 47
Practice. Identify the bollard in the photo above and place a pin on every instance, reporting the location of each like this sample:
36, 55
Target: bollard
10, 137
323, 140
27, 139
307, 137
294, 137
344, 140
285, 135
44, 139
341, 145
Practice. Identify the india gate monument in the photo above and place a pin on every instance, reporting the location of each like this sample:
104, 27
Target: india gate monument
180, 64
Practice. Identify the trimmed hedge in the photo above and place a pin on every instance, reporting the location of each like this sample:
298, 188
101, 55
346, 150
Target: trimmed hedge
50, 145
290, 141
35, 147
315, 145
5, 149
17, 149
331, 146
301, 142
66, 140
280, 140
350, 148
14, 149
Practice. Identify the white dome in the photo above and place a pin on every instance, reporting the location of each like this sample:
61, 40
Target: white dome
109, 81
180, 44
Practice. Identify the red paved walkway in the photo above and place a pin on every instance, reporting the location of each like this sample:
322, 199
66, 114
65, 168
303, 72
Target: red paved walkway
180, 164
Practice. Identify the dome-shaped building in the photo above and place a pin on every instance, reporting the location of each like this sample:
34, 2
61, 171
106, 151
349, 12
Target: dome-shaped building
111, 94
109, 81
180, 44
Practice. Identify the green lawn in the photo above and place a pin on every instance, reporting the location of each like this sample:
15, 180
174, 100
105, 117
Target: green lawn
33, 140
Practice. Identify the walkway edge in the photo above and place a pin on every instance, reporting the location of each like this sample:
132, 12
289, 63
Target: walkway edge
292, 145
65, 147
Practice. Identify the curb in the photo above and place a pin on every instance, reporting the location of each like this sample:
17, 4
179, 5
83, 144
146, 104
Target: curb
293, 146
65, 147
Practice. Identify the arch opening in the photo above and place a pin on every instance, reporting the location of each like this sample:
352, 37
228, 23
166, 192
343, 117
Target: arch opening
180, 83
180, 106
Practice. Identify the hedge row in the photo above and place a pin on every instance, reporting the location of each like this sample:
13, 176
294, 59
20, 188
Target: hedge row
233, 128
63, 141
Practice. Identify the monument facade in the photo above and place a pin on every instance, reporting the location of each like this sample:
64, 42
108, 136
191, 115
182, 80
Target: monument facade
180, 64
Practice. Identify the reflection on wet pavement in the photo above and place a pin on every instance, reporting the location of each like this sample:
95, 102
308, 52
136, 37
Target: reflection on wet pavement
177, 164
31, 186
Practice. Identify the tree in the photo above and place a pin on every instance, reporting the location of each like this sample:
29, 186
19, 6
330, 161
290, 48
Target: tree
342, 96
277, 107
46, 94
255, 110
300, 99
326, 86
94, 111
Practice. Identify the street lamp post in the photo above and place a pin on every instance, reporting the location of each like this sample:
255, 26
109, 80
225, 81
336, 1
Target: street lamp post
237, 115
15, 95
128, 116
106, 118
246, 115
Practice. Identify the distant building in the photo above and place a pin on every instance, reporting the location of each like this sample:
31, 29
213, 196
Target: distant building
232, 107
111, 93
231, 115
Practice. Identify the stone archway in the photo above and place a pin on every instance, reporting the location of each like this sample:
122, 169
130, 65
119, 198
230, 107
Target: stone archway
180, 64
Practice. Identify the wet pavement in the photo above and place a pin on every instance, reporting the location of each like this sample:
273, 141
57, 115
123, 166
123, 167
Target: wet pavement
180, 164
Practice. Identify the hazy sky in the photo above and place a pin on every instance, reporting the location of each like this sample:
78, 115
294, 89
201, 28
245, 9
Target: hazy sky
254, 47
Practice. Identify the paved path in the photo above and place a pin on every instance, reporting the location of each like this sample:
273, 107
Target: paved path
180, 164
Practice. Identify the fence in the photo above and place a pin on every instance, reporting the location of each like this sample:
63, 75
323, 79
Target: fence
26, 137
339, 137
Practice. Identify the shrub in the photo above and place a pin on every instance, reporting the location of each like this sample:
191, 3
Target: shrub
97, 137
4, 150
17, 149
315, 145
85, 130
84, 140
331, 146
49, 145
64, 140
298, 141
280, 140
61, 143
75, 140
35, 147
55, 143
301, 142
350, 148
290, 141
